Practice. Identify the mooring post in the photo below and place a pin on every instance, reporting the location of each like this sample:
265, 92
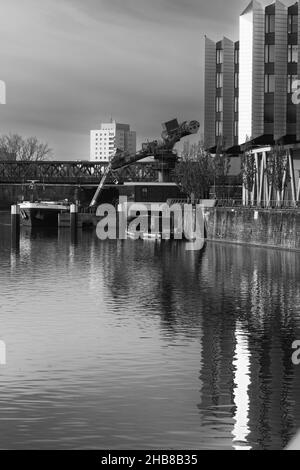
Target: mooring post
15, 227
172, 226
73, 219
160, 223
149, 222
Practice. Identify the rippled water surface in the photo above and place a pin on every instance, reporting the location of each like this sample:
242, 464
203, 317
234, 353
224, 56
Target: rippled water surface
142, 345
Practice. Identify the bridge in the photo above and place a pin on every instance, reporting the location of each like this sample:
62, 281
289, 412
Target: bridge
124, 167
82, 173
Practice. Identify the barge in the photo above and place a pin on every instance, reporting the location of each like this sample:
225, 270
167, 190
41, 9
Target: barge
42, 214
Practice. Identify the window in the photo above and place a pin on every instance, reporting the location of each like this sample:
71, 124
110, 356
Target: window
219, 105
269, 83
292, 24
269, 113
236, 128
269, 53
236, 56
219, 80
145, 193
220, 55
292, 114
292, 53
236, 80
219, 128
270, 23
236, 104
291, 80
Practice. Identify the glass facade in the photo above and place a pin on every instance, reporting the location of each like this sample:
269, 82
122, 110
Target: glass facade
269, 83
270, 24
292, 24
265, 72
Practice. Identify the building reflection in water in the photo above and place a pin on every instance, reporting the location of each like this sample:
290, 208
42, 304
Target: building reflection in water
243, 304
240, 305
241, 364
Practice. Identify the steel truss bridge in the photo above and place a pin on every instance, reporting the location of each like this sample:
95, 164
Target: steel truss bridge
73, 172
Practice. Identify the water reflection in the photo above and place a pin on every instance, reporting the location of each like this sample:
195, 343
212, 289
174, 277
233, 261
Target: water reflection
143, 344
241, 429
243, 304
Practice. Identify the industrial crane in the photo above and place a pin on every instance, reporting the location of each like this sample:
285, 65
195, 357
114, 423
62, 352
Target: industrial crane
162, 151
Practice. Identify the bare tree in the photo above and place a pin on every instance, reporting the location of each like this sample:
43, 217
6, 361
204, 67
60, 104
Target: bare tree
277, 172
11, 146
35, 150
195, 171
248, 172
222, 167
15, 147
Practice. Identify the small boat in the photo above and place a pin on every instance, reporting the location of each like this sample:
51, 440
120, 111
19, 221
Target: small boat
42, 213
143, 236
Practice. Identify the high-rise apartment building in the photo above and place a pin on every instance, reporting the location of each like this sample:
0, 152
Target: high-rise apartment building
108, 138
221, 93
249, 84
250, 93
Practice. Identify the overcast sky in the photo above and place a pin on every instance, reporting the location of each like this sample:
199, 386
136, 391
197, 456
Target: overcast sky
70, 64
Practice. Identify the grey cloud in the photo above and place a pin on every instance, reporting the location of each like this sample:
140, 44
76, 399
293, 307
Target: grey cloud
68, 65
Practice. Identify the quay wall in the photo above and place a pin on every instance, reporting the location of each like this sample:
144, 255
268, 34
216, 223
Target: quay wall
261, 227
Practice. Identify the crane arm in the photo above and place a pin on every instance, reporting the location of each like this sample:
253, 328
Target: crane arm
101, 184
159, 149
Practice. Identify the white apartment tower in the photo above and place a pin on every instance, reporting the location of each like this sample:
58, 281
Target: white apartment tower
249, 97
258, 82
266, 65
108, 138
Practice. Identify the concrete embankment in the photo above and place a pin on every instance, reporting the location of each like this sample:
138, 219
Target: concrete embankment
261, 227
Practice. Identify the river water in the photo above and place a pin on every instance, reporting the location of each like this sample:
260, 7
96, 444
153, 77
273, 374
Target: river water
144, 345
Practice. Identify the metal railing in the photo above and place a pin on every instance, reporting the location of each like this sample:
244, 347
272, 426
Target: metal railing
238, 203
273, 204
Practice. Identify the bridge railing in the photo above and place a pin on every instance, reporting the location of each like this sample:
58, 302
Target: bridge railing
69, 172
54, 171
